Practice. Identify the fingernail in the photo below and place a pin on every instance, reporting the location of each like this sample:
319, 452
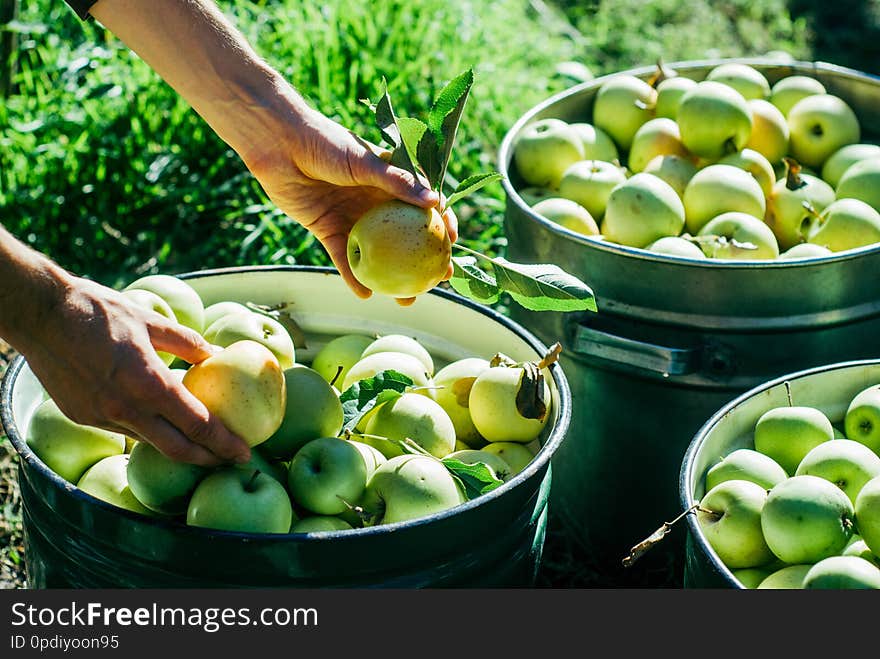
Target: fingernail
428, 195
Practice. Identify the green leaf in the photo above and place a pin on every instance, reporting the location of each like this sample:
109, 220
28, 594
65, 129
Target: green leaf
543, 287
430, 159
443, 120
477, 478
472, 282
391, 133
470, 185
364, 395
411, 131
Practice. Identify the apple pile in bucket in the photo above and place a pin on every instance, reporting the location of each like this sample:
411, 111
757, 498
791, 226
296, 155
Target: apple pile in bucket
727, 168
371, 432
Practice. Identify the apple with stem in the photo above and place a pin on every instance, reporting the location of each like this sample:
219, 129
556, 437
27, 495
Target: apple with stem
232, 499
334, 359
793, 204
845, 224
510, 403
714, 120
729, 516
622, 104
738, 237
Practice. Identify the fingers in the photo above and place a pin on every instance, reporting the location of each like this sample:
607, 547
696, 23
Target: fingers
398, 182
449, 272
451, 221
179, 340
170, 441
337, 247
405, 301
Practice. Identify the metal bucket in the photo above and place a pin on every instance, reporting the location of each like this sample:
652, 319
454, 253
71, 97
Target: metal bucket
75, 540
676, 338
827, 388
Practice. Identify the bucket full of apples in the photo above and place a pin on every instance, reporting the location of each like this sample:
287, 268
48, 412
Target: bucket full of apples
726, 214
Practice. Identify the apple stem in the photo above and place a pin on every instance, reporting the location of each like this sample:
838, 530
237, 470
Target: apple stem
787, 385
551, 357
339, 370
793, 179
249, 487
648, 543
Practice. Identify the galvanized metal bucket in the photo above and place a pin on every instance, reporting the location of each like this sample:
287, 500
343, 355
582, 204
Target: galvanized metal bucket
828, 388
676, 338
75, 540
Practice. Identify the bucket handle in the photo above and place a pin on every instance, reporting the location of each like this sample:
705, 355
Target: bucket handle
640, 355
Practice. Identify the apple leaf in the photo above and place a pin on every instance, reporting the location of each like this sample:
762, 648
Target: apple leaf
388, 125
472, 282
470, 185
366, 394
411, 132
530, 401
477, 477
443, 120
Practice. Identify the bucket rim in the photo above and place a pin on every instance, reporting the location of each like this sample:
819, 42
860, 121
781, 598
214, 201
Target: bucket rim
801, 67
541, 460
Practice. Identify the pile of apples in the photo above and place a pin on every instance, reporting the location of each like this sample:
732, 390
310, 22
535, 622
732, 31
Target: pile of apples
801, 509
728, 168
306, 474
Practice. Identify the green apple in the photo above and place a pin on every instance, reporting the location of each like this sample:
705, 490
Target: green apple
598, 144
787, 434
216, 311
730, 518
641, 210
739, 237
770, 132
277, 469
256, 327
805, 251
862, 421
846, 463
861, 181
415, 417
516, 455
718, 189
858, 547
496, 464
545, 149
656, 137
675, 170
786, 92
793, 204
387, 361
327, 476
669, 93
589, 183
152, 302
751, 577
790, 577
621, 106
756, 165
106, 480
532, 194
160, 483
676, 246
569, 214
180, 296
454, 382
243, 385
319, 523
818, 126
398, 249
714, 120
69, 448
745, 79
508, 406
747, 465
846, 224
373, 457
409, 487
236, 500
312, 409
334, 359
401, 343
845, 157
867, 509
842, 572
806, 519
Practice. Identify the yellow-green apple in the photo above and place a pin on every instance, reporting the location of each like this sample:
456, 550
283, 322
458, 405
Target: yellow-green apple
846, 463
862, 421
277, 469
160, 483
233, 499
842, 573
669, 93
718, 189
858, 547
216, 311
598, 145
401, 343
415, 417
312, 409
861, 181
714, 120
790, 577
532, 194
655, 137
66, 447
793, 204
545, 149
454, 382
738, 237
152, 302
755, 164
409, 487
337, 356
818, 126
327, 476
751, 577
770, 132
642, 209
371, 455
569, 214
787, 434
805, 251
867, 509
106, 480
319, 523
509, 405
516, 455
729, 516
676, 246
675, 170
243, 385
398, 249
622, 104
806, 519
496, 464
786, 92
589, 183
745, 79
387, 361
838, 162
180, 296
747, 465
256, 327
845, 224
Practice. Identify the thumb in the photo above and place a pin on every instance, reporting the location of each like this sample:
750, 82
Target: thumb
398, 182
180, 341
